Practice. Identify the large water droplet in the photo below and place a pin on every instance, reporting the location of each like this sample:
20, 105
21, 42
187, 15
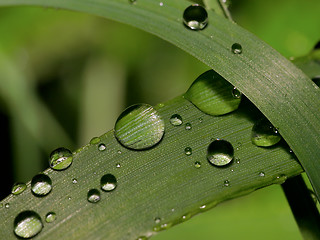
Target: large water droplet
93, 195
41, 185
108, 182
212, 94
18, 188
176, 120
27, 224
50, 217
220, 153
60, 159
236, 48
264, 134
139, 127
195, 17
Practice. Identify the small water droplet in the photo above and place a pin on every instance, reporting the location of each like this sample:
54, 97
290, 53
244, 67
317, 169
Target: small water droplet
7, 205
157, 220
220, 153
132, 1
197, 164
161, 4
200, 119
186, 217
108, 182
195, 17
18, 188
176, 120
202, 207
188, 126
93, 195
27, 224
74, 181
281, 179
237, 160
212, 94
69, 198
95, 140
142, 238
236, 48
236, 93
139, 127
50, 217
261, 174
60, 159
118, 165
264, 134
188, 151
119, 152
226, 183
102, 147
172, 210
41, 185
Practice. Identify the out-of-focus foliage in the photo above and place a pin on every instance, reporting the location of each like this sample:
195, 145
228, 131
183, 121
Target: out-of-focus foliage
68, 75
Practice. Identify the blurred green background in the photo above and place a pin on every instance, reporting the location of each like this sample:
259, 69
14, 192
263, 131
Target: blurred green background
66, 76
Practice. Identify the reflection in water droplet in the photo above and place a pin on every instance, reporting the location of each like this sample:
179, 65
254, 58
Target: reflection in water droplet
60, 159
7, 205
236, 48
18, 188
203, 207
50, 217
176, 120
93, 195
119, 152
101, 147
220, 153
118, 165
212, 94
74, 181
197, 164
95, 140
27, 224
108, 182
188, 151
195, 17
236, 93
188, 126
139, 127
41, 185
264, 134
226, 183
261, 174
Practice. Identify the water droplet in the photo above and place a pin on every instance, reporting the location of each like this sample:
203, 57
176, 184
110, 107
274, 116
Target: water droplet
95, 140
60, 159
188, 126
50, 217
27, 224
200, 119
237, 160
118, 165
142, 238
18, 188
236, 93
139, 127
197, 165
157, 220
195, 17
188, 151
264, 134
236, 48
69, 198
102, 147
119, 152
212, 94
132, 1
226, 183
186, 217
41, 185
220, 153
93, 195
261, 174
74, 181
7, 205
176, 120
202, 207
281, 179
108, 182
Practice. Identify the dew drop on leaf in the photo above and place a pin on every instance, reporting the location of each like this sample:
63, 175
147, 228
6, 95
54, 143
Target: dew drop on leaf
197, 164
195, 17
93, 195
188, 126
50, 217
74, 181
176, 120
132, 1
212, 94
7, 205
236, 48
18, 188
139, 127
27, 224
226, 183
60, 159
108, 182
236, 93
157, 220
101, 147
188, 151
264, 134
262, 174
220, 153
41, 185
